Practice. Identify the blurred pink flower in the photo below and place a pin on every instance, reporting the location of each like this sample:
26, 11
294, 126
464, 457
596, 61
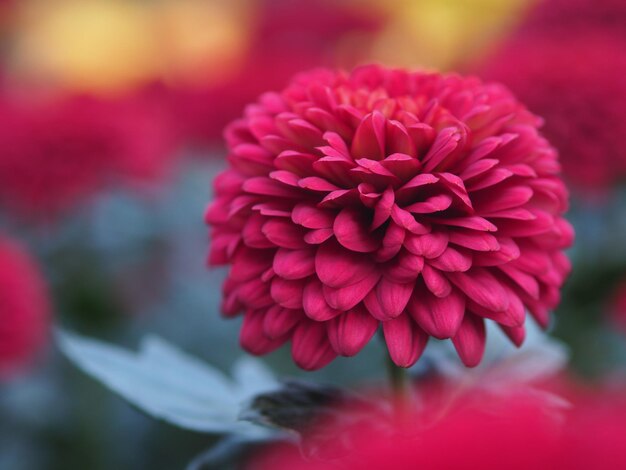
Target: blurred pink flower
24, 308
514, 432
567, 63
426, 203
56, 154
569, 16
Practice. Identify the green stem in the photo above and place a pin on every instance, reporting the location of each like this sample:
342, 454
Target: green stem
401, 390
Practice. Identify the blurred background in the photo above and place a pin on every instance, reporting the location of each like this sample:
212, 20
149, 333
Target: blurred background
111, 114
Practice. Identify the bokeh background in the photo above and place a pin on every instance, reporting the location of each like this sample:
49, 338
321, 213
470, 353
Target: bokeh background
111, 114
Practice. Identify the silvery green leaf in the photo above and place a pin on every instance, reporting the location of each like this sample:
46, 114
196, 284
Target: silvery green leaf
169, 384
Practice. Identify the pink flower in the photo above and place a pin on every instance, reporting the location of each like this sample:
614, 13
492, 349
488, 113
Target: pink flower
567, 64
55, 155
509, 432
423, 202
24, 308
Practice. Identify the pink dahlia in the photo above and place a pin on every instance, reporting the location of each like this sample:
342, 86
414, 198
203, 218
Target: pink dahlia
421, 202
24, 308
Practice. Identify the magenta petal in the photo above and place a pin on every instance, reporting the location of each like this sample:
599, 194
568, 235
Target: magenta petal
405, 267
516, 334
294, 264
351, 331
382, 211
319, 236
268, 187
470, 340
453, 260
439, 317
446, 142
249, 263
314, 302
436, 282
252, 233
436, 203
415, 184
405, 340
508, 252
430, 245
473, 222
315, 183
312, 217
279, 321
310, 347
255, 294
524, 280
369, 138
346, 298
284, 233
338, 267
287, 293
389, 299
352, 233
506, 198
252, 337
407, 220
476, 241
483, 288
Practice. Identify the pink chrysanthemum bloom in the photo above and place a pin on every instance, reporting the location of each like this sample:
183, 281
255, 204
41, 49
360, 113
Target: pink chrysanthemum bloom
423, 202
24, 308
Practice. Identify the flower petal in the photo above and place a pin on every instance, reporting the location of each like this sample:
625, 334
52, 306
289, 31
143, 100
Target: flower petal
338, 267
389, 299
351, 331
470, 340
310, 347
346, 298
405, 340
294, 264
314, 303
439, 317
352, 233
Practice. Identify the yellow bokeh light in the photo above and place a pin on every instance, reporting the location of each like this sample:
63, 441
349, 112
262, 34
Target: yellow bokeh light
108, 46
442, 34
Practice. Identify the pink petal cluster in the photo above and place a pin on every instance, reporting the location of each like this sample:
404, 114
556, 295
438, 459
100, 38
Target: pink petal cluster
421, 202
55, 154
567, 64
24, 308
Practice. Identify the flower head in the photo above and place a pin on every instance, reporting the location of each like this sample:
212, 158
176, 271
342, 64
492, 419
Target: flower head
421, 202
24, 308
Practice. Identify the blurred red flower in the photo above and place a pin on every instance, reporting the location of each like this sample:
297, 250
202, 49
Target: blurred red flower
513, 433
56, 154
24, 308
426, 203
567, 63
